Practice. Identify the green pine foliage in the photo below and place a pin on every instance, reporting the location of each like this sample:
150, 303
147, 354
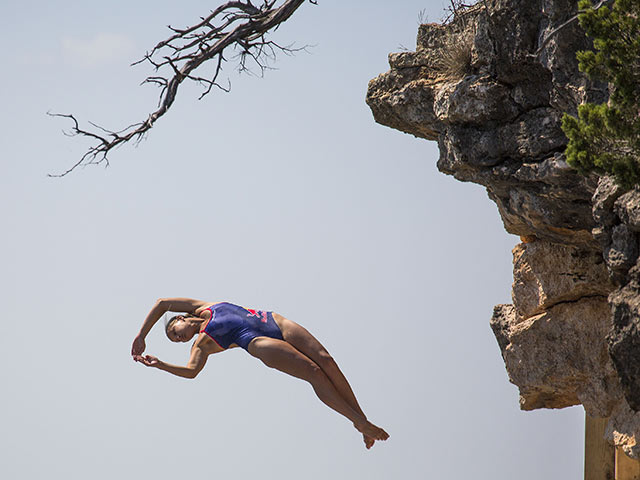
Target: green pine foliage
605, 138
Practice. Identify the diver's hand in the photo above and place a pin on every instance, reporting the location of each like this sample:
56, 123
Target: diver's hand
149, 360
138, 347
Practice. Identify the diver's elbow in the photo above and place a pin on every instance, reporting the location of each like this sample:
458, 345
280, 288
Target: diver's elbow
161, 302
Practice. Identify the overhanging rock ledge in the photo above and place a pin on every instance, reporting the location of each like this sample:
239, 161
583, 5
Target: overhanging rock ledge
572, 334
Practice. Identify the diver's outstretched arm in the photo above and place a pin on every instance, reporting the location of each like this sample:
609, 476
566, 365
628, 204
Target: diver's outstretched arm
151, 361
195, 365
162, 305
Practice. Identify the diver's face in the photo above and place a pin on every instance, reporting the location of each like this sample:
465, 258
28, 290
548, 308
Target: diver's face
180, 331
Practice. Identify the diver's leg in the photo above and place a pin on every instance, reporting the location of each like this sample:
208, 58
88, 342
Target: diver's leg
306, 343
282, 356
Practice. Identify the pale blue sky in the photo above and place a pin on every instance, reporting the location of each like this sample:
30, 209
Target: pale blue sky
283, 195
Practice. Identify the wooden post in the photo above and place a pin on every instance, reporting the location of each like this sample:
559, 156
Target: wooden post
626, 468
599, 456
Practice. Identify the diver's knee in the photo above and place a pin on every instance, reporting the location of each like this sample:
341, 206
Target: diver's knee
326, 361
314, 373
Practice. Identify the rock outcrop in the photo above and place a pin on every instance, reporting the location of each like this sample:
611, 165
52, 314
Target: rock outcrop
491, 87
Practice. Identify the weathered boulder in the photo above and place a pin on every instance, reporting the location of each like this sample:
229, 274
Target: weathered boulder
627, 208
475, 102
623, 429
558, 358
553, 337
546, 274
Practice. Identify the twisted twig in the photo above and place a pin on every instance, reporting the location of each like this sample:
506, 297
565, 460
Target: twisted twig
553, 32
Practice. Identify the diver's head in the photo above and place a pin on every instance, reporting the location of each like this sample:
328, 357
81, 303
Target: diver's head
181, 328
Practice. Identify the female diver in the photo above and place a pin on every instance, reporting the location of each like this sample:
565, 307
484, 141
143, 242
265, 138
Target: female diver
277, 341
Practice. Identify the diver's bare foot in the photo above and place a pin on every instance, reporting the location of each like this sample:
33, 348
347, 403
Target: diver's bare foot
368, 441
370, 430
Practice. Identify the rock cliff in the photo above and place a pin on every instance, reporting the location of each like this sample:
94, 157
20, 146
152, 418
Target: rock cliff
491, 87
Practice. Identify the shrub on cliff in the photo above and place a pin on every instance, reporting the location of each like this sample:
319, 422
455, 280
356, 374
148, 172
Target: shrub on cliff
605, 138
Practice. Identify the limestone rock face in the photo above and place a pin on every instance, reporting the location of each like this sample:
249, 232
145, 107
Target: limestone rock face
553, 337
494, 103
546, 274
559, 357
617, 217
624, 338
498, 124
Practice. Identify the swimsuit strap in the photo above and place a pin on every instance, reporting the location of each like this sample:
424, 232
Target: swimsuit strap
210, 308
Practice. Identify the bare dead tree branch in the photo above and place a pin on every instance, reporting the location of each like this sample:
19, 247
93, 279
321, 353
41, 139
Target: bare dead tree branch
241, 27
555, 31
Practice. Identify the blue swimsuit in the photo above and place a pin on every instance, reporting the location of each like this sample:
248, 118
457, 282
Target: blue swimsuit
233, 324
